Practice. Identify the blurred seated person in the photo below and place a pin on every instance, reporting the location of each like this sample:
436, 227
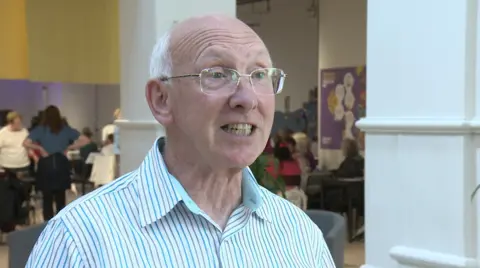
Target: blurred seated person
282, 136
108, 148
288, 165
351, 167
305, 156
90, 147
14, 157
354, 164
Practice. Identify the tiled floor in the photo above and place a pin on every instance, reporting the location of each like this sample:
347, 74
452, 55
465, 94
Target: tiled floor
355, 255
3, 257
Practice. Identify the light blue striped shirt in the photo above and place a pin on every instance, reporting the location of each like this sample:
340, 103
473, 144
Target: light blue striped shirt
146, 219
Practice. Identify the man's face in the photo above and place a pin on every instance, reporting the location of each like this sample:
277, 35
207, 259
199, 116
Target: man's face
218, 125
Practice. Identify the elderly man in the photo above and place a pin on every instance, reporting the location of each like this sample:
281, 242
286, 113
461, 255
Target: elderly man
193, 202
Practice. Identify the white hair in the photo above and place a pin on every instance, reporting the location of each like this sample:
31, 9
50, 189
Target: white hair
161, 59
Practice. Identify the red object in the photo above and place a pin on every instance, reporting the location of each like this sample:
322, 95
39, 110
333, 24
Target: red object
286, 168
37, 153
268, 148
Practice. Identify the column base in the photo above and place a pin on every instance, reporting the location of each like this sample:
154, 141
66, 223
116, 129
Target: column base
407, 125
136, 138
414, 257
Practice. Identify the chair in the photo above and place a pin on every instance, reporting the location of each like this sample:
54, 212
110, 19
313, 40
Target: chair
333, 227
21, 243
82, 177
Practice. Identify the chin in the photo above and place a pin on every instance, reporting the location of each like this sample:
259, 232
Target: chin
239, 160
237, 152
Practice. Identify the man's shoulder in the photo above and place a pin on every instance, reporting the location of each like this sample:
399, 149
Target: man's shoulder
101, 200
285, 212
292, 224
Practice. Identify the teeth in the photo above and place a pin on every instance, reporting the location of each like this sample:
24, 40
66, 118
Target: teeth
239, 129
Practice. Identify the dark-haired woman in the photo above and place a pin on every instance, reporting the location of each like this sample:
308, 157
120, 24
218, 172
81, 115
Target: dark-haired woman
52, 138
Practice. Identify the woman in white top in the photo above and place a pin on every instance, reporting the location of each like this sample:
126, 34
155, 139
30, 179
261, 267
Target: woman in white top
110, 128
109, 147
14, 157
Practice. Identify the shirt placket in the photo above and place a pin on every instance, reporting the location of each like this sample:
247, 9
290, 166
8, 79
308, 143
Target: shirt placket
235, 225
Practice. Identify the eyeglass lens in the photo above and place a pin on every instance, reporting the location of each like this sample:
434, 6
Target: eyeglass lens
220, 80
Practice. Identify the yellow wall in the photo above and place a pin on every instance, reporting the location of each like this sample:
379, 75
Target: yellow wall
74, 41
13, 40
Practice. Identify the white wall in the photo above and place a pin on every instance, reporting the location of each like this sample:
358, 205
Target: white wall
342, 43
20, 95
291, 36
89, 105
422, 122
83, 105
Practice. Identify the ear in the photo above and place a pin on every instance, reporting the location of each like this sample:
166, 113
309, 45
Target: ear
158, 101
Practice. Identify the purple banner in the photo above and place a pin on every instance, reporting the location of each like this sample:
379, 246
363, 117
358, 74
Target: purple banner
342, 103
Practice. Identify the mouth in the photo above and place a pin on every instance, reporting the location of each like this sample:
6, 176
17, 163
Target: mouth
240, 129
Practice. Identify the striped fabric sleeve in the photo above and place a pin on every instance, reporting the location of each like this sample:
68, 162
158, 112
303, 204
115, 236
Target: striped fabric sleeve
55, 248
323, 257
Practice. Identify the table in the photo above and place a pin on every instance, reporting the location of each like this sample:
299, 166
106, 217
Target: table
349, 187
314, 181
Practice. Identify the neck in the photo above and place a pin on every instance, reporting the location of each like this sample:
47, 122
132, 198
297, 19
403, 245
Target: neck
12, 128
216, 192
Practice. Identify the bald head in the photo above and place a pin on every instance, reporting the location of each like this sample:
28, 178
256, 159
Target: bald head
204, 39
195, 35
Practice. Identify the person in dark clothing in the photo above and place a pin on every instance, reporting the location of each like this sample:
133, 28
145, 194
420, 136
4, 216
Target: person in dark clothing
351, 167
90, 147
353, 164
52, 138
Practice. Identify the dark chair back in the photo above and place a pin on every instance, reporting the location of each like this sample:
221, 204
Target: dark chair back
334, 231
21, 243
292, 180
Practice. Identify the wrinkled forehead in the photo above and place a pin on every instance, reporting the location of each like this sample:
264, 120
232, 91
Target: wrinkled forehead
217, 40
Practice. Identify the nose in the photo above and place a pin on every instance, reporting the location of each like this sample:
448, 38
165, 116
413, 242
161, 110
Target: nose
244, 98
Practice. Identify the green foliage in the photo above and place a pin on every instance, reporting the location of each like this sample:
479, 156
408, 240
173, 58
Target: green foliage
259, 170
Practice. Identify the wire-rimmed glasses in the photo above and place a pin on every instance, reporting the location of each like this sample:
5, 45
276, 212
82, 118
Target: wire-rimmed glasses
225, 81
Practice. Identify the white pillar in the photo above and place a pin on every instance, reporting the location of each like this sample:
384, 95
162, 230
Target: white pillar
141, 23
420, 143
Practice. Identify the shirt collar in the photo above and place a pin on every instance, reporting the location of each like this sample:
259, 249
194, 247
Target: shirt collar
159, 191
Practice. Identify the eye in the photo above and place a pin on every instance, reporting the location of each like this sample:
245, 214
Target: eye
259, 74
217, 73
